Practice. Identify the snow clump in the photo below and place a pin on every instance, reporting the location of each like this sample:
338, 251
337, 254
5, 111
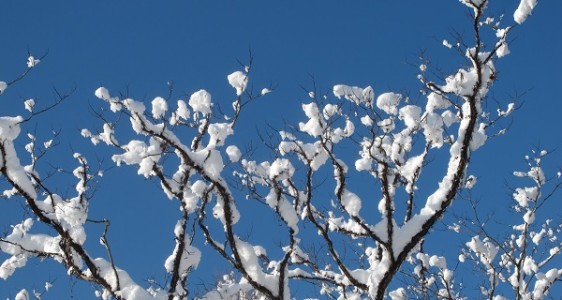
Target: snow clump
239, 81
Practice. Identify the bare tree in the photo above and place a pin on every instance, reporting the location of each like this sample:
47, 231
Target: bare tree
356, 245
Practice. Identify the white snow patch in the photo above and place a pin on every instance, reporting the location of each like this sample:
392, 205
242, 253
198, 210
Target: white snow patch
351, 202
233, 153
159, 107
32, 61
388, 102
524, 10
3, 87
29, 104
200, 101
239, 81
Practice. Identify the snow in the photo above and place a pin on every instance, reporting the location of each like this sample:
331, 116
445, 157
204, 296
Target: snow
351, 203
281, 169
330, 110
218, 132
355, 94
9, 130
135, 107
409, 169
107, 136
228, 288
218, 212
411, 115
200, 102
22, 295
198, 188
311, 95
138, 152
388, 102
34, 242
537, 174
159, 107
367, 121
449, 118
238, 80
129, 289
102, 93
189, 259
462, 82
479, 137
210, 160
265, 91
436, 101
233, 153
363, 164
529, 217
182, 111
32, 61
315, 125
474, 4
285, 209
398, 294
484, 249
470, 182
9, 127
10, 265
524, 10
312, 153
29, 104
3, 87
433, 129
250, 262
386, 125
503, 50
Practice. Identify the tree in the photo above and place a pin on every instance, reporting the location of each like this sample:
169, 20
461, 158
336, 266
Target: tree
344, 243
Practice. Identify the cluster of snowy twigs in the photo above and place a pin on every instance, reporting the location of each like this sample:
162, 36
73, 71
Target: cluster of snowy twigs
185, 146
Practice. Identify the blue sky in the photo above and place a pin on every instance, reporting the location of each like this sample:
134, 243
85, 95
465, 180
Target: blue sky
139, 46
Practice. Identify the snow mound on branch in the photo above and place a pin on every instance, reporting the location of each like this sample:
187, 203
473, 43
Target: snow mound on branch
354, 94
233, 153
22, 295
239, 81
103, 94
524, 10
411, 115
285, 209
436, 101
218, 132
32, 61
281, 169
9, 128
29, 104
210, 160
315, 125
129, 289
388, 102
182, 111
3, 87
351, 202
159, 107
200, 101
249, 260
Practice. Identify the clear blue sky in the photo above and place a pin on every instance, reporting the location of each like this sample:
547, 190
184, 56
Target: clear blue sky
139, 46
